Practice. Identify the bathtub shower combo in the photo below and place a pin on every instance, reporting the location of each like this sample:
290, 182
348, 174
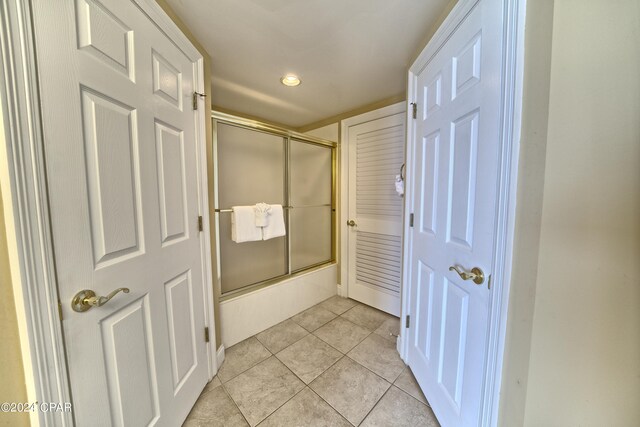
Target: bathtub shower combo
257, 163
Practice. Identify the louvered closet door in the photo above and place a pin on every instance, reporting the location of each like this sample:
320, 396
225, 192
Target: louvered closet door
376, 153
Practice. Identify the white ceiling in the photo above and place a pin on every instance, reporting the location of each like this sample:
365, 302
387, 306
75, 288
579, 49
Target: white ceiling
348, 53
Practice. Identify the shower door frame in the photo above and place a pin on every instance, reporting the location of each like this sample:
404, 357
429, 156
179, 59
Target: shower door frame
289, 136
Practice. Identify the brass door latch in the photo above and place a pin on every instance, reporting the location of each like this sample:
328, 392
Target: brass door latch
86, 299
475, 274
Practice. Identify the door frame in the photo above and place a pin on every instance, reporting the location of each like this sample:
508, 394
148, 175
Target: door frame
24, 189
512, 70
345, 125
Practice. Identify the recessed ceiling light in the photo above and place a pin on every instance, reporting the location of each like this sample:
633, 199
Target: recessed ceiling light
290, 80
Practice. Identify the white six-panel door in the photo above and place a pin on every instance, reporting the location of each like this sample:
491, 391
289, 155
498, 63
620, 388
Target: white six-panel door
121, 149
455, 172
375, 156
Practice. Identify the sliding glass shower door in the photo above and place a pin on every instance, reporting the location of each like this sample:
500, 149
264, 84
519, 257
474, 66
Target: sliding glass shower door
257, 165
251, 169
311, 196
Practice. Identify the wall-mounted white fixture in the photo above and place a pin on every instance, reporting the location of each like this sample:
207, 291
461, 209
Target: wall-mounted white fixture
290, 80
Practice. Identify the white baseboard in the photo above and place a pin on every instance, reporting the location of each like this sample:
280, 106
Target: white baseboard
251, 313
399, 347
339, 290
220, 356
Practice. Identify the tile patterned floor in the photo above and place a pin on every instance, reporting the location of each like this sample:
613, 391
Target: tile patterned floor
334, 364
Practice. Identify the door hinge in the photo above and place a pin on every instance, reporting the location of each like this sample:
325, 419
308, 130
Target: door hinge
206, 334
195, 99
408, 322
411, 220
60, 309
415, 109
200, 225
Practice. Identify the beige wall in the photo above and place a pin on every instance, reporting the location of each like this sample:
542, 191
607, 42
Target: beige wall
12, 382
585, 349
535, 112
581, 310
330, 132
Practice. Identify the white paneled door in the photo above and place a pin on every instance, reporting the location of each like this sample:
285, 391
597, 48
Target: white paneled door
374, 227
455, 176
120, 138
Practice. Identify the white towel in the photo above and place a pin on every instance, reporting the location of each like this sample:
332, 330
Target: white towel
262, 214
275, 228
243, 225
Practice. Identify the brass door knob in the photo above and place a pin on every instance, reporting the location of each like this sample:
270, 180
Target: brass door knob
351, 223
475, 274
86, 298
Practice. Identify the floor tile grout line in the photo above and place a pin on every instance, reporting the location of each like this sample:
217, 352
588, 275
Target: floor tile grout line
308, 333
235, 404
294, 374
252, 366
287, 401
330, 405
391, 384
362, 326
332, 365
374, 373
345, 298
271, 413
264, 345
329, 367
343, 355
353, 323
308, 386
316, 305
257, 363
350, 358
338, 314
289, 318
318, 338
273, 354
318, 326
408, 394
358, 343
376, 404
407, 367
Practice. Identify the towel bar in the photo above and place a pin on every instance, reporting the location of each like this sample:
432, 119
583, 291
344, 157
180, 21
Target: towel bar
284, 207
231, 210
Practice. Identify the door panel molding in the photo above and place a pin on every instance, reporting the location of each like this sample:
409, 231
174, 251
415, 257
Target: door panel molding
510, 122
24, 188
